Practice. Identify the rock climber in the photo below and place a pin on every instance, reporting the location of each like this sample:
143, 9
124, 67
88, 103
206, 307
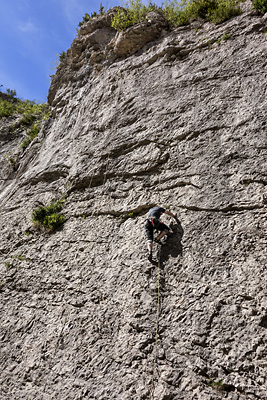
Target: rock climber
153, 222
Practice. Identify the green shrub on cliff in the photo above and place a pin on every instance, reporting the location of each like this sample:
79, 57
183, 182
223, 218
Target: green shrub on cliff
260, 5
178, 13
62, 55
31, 134
224, 10
215, 11
133, 12
7, 108
32, 114
49, 217
30, 110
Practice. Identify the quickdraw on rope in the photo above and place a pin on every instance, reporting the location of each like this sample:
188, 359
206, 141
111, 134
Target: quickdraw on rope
157, 326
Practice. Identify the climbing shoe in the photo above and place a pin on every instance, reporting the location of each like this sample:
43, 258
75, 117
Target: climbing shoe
158, 241
150, 257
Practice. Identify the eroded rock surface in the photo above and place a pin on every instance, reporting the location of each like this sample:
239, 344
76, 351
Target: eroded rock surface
179, 120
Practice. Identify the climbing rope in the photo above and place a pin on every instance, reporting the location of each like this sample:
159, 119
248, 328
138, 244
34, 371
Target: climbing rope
95, 212
157, 327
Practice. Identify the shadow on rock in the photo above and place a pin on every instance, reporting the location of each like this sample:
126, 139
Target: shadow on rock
173, 246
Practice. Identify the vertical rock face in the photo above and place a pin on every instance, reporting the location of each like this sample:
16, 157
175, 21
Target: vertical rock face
147, 116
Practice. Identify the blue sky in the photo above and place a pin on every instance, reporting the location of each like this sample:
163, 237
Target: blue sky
32, 33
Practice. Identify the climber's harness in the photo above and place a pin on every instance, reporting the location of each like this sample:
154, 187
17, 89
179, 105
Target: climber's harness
153, 220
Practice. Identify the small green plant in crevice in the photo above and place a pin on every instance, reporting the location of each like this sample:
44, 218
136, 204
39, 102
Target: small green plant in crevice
216, 385
55, 64
8, 265
31, 134
49, 217
124, 217
12, 159
260, 5
62, 56
220, 386
225, 36
18, 257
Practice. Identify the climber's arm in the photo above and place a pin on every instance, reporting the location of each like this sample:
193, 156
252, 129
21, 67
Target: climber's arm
171, 214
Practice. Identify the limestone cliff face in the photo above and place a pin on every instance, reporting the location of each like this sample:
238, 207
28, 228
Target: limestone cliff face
148, 116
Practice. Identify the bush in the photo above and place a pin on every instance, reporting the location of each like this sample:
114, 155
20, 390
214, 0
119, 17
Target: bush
133, 12
224, 10
176, 14
201, 8
12, 93
32, 114
215, 11
7, 108
49, 217
31, 111
225, 36
62, 56
260, 5
31, 134
53, 221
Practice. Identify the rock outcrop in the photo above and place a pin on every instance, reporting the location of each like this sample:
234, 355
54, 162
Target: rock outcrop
151, 115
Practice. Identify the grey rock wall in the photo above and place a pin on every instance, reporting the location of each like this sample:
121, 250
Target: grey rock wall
178, 121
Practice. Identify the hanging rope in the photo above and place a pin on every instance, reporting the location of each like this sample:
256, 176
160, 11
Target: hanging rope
95, 212
157, 327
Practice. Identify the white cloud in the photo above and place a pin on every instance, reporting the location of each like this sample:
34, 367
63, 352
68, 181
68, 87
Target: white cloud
27, 27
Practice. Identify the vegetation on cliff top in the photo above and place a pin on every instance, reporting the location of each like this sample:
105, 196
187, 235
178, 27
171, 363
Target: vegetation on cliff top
87, 17
176, 12
260, 5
